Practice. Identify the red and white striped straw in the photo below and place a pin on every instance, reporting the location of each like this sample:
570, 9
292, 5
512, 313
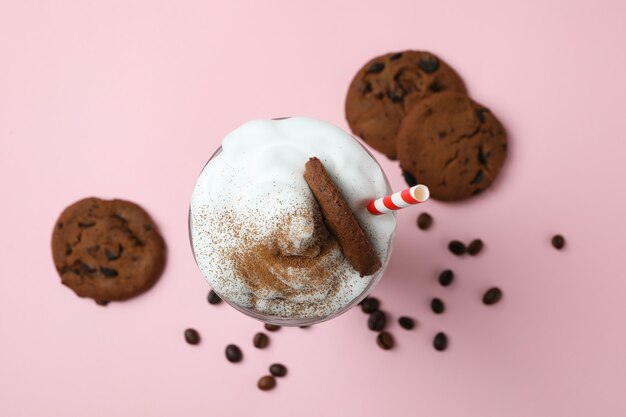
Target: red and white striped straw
408, 197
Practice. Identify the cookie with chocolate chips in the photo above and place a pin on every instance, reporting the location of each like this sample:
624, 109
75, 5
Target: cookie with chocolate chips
108, 250
387, 87
453, 145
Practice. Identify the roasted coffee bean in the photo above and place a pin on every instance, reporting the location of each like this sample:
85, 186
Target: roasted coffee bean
456, 247
278, 369
192, 337
440, 342
428, 65
377, 321
475, 247
375, 68
424, 221
492, 296
233, 353
385, 340
271, 327
446, 277
406, 322
558, 241
213, 298
266, 383
409, 178
437, 306
261, 340
370, 305
108, 272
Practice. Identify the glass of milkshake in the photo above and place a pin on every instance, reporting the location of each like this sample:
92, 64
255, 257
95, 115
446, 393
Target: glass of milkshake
258, 234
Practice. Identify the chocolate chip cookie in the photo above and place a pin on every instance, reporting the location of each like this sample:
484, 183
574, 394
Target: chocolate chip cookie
453, 145
387, 87
107, 249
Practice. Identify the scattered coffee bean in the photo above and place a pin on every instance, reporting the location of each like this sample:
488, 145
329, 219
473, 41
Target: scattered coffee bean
492, 296
192, 337
441, 341
377, 321
437, 306
385, 340
278, 369
261, 340
424, 221
406, 322
456, 247
233, 353
370, 305
558, 242
409, 178
266, 383
446, 277
375, 68
475, 247
271, 327
362, 301
213, 298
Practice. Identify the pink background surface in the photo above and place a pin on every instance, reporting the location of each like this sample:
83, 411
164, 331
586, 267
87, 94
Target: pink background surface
128, 99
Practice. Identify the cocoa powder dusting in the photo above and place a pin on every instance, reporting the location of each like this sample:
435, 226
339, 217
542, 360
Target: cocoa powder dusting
285, 266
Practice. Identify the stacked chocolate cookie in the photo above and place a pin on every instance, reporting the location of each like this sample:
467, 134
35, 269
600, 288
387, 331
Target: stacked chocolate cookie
414, 107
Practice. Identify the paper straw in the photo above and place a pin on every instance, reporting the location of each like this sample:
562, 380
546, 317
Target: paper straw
405, 198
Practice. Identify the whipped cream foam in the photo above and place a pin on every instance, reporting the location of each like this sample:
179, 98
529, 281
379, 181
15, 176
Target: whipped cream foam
257, 232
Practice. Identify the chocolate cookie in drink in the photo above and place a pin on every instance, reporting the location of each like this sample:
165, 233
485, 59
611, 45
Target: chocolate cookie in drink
259, 235
387, 87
